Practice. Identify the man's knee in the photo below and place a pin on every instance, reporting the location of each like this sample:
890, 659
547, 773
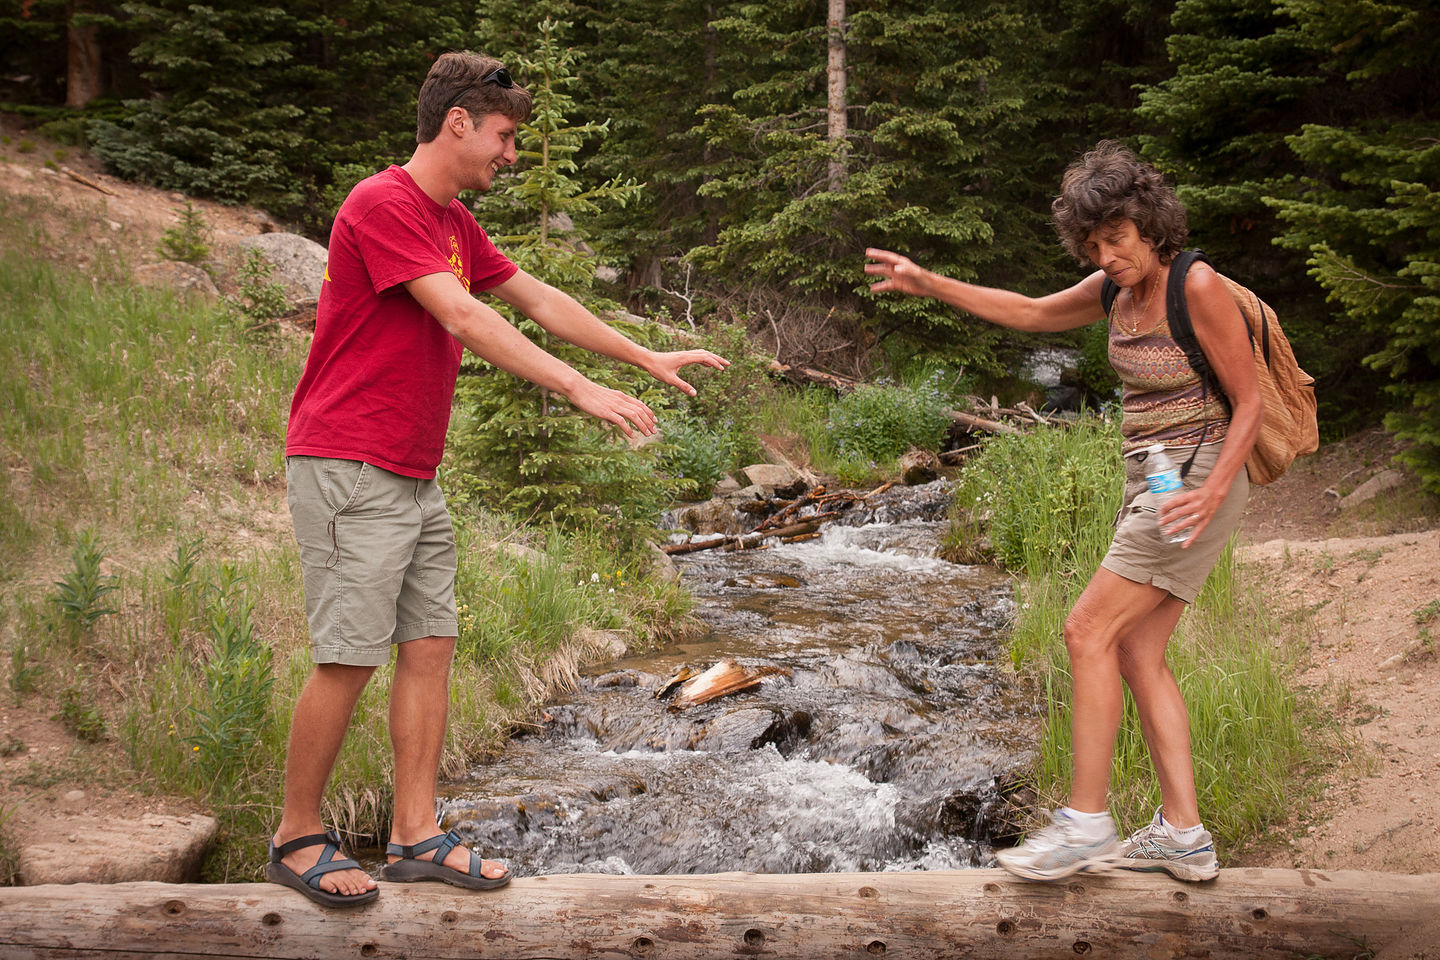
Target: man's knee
427, 653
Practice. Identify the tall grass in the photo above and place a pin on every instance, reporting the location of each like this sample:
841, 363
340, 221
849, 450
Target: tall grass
124, 403
176, 628
1048, 500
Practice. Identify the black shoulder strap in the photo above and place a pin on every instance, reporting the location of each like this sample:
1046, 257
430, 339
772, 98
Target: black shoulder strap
1179, 314
1109, 290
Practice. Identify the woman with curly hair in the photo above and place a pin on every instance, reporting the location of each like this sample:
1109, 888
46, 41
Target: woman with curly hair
1117, 213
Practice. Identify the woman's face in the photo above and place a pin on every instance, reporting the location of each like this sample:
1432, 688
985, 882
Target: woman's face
1119, 250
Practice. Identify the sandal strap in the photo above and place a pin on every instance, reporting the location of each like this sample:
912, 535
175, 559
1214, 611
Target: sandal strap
441, 844
313, 875
300, 843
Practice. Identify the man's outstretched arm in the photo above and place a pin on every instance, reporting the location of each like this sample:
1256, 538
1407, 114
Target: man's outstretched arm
566, 318
491, 337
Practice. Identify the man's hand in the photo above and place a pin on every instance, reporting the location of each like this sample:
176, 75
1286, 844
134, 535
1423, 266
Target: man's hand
665, 367
613, 406
901, 274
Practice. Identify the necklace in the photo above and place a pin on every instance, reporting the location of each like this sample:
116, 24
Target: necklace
1137, 317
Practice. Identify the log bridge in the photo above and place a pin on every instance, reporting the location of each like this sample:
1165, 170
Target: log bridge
1245, 913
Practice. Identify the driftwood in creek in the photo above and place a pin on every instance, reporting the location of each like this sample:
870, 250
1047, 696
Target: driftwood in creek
1252, 914
783, 524
721, 680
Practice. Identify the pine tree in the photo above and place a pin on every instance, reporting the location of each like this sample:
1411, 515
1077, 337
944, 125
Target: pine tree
1367, 220
522, 448
1246, 77
215, 125
936, 125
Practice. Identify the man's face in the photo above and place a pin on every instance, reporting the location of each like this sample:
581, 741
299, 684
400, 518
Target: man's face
489, 144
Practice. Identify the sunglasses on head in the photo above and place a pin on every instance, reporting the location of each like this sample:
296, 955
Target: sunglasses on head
499, 76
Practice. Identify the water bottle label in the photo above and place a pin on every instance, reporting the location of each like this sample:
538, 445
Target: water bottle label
1167, 482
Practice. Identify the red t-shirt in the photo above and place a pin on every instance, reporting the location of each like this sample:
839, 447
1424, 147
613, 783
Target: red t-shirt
380, 377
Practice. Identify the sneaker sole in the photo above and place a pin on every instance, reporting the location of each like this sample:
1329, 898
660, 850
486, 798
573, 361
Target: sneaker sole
1096, 865
1180, 871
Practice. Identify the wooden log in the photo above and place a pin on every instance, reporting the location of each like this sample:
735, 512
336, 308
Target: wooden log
721, 680
87, 182
1246, 913
980, 423
803, 374
747, 541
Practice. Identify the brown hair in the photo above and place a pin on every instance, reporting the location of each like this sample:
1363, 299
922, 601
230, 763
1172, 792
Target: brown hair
454, 81
1110, 183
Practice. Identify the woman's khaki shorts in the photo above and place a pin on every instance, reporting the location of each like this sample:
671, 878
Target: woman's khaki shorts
1141, 553
378, 555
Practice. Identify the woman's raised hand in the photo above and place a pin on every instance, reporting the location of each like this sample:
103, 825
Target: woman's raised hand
898, 274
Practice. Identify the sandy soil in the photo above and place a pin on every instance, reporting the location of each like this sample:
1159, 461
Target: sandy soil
1362, 584
1362, 581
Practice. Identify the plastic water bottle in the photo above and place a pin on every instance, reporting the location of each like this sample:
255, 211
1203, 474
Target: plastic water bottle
1163, 479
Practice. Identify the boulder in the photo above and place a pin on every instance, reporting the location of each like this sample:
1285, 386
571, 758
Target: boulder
157, 847
185, 279
919, 466
740, 730
1372, 488
299, 262
664, 565
712, 516
773, 477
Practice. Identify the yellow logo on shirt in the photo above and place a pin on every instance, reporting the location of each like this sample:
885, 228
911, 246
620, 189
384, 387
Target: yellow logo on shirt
458, 265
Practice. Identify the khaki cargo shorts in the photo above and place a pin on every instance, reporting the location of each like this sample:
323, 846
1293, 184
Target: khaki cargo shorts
1141, 553
377, 551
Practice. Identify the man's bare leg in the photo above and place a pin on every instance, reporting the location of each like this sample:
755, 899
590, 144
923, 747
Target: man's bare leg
322, 716
419, 707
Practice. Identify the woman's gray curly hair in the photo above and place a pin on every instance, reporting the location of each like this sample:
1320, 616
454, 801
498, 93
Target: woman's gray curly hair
1110, 183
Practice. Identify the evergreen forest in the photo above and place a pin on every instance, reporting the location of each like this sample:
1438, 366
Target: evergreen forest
727, 162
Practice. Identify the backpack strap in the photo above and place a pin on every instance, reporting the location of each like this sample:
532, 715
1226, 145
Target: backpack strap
1109, 290
1177, 313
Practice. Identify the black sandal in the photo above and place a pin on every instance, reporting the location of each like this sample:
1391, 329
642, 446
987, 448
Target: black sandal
410, 868
308, 882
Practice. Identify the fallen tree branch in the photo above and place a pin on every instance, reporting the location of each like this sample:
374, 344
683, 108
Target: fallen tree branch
88, 182
980, 423
800, 373
748, 541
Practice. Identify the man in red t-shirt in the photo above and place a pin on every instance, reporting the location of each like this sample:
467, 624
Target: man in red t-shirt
367, 431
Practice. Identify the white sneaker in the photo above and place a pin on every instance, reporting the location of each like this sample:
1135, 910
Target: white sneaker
1153, 848
1060, 850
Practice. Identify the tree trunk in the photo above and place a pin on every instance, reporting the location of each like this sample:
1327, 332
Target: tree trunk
835, 70
82, 74
1247, 913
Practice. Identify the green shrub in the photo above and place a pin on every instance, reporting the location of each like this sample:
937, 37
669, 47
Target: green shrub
695, 454
79, 595
1048, 497
80, 716
190, 241
258, 299
67, 130
879, 423
238, 683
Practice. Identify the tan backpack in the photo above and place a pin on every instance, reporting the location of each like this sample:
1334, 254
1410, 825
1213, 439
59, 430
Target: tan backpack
1289, 428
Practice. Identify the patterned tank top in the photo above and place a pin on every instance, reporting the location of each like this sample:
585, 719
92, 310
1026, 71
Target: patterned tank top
1162, 397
